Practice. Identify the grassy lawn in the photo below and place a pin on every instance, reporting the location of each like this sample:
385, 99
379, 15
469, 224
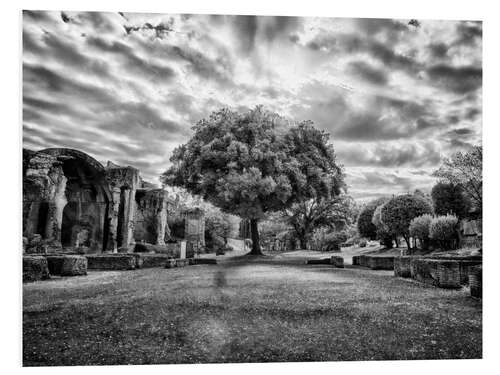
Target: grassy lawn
245, 310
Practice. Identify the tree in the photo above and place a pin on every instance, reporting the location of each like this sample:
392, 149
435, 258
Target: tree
465, 170
308, 215
365, 226
398, 212
443, 230
419, 228
252, 163
449, 199
383, 232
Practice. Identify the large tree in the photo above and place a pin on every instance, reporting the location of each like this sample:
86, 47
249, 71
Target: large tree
366, 228
465, 169
255, 162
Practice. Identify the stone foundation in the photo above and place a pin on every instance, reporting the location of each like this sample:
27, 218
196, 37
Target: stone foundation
35, 268
111, 262
67, 265
476, 281
337, 261
437, 272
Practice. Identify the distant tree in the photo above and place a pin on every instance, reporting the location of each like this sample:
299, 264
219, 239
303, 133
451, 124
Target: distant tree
366, 228
465, 169
305, 217
383, 231
419, 229
252, 163
401, 210
443, 230
449, 199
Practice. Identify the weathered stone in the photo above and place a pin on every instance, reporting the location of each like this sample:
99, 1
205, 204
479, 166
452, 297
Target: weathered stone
150, 223
381, 262
203, 261
124, 250
476, 281
437, 272
182, 262
337, 261
402, 265
153, 260
319, 261
67, 265
111, 262
35, 268
171, 263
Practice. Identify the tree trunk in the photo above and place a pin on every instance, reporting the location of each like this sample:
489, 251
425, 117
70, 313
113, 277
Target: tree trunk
407, 239
254, 228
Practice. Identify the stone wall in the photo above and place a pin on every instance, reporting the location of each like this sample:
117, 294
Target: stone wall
151, 216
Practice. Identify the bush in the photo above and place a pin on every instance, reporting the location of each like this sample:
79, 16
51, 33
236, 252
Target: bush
324, 240
443, 230
362, 243
365, 226
419, 228
400, 211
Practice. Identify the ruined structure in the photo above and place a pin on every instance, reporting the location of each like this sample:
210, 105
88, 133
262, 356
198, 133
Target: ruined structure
71, 201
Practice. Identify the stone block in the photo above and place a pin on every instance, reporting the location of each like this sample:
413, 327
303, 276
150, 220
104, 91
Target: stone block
181, 262
437, 272
67, 265
476, 281
153, 260
171, 263
319, 261
381, 262
402, 266
203, 261
35, 268
111, 262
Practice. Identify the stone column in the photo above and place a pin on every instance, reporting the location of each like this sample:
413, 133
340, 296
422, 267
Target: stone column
55, 212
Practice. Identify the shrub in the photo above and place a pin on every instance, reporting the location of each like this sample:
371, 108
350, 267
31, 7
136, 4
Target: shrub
442, 229
400, 211
365, 226
324, 240
362, 243
419, 228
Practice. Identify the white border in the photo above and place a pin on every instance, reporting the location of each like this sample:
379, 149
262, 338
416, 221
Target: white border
11, 165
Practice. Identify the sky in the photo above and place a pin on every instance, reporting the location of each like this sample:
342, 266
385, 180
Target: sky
396, 96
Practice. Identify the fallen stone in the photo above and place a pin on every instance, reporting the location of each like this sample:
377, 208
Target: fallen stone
35, 268
111, 262
67, 265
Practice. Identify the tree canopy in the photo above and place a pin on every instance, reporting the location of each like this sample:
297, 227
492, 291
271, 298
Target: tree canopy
449, 199
366, 228
401, 210
255, 162
465, 169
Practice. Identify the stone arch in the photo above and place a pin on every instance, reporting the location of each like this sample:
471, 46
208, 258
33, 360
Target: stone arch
84, 210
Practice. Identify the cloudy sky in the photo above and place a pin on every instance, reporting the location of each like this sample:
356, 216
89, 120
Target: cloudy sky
396, 96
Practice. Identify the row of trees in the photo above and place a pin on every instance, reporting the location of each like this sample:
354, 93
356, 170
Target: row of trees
454, 197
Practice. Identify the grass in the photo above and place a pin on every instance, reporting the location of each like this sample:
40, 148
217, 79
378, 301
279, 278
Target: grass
245, 310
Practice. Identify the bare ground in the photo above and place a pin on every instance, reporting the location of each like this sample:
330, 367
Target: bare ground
262, 309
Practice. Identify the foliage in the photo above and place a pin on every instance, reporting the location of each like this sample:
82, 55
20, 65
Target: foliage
443, 229
449, 199
383, 232
336, 213
217, 230
255, 162
465, 170
419, 228
365, 226
324, 239
362, 243
398, 212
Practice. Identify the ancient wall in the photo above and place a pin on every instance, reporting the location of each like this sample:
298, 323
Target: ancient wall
194, 232
151, 216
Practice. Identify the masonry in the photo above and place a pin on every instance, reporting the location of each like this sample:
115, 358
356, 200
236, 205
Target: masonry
71, 201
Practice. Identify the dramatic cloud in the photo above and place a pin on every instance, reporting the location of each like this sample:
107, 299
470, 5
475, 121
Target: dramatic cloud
396, 96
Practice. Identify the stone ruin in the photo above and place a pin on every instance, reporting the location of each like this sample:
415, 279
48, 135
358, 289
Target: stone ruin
71, 202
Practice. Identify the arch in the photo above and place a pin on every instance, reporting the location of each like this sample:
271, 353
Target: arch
85, 216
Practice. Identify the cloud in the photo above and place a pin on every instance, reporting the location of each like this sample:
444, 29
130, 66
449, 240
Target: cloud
459, 80
128, 87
